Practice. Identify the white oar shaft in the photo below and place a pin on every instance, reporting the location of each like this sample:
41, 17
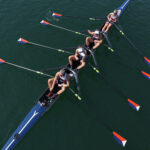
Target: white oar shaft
48, 47
28, 69
68, 30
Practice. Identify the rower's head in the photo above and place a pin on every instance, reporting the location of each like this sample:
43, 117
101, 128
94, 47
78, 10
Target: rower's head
62, 72
115, 12
81, 50
97, 32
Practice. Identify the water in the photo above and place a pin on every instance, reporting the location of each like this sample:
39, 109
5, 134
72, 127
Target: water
68, 125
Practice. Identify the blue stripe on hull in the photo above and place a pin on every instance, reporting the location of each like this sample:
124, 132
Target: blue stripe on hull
32, 117
123, 6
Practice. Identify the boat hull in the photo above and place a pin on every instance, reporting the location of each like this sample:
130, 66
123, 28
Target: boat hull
123, 6
32, 117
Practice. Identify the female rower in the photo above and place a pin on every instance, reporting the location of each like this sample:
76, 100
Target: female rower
58, 84
78, 60
95, 40
112, 18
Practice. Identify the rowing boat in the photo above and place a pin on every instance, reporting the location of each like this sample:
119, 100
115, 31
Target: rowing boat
39, 109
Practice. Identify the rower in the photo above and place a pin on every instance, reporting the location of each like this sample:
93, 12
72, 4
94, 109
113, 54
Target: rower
95, 40
58, 84
78, 61
111, 18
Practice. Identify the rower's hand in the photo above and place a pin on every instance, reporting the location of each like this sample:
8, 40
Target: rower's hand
76, 58
54, 96
76, 70
89, 31
60, 85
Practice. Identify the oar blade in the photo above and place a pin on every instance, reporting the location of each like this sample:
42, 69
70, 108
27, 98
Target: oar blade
56, 15
45, 23
2, 61
145, 74
134, 105
22, 41
119, 139
147, 60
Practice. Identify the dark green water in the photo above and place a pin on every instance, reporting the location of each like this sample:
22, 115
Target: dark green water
68, 126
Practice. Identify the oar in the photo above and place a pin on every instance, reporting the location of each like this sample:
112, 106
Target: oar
2, 61
93, 56
75, 94
59, 27
121, 140
130, 102
57, 15
77, 81
133, 45
47, 23
24, 68
125, 61
107, 39
23, 41
53, 69
116, 135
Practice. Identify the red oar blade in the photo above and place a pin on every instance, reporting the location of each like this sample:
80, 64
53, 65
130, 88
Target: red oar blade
45, 23
119, 139
147, 60
146, 74
57, 15
22, 41
2, 61
134, 105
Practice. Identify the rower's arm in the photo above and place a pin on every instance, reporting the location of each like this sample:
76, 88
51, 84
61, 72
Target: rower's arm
67, 84
82, 65
56, 76
108, 15
97, 44
90, 32
76, 53
61, 91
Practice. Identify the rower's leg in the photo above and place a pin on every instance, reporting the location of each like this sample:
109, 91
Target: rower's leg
108, 27
50, 83
105, 26
71, 59
61, 90
97, 43
88, 41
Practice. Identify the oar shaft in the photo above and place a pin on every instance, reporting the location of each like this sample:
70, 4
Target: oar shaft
108, 82
48, 47
68, 30
28, 69
131, 43
94, 59
93, 112
85, 17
